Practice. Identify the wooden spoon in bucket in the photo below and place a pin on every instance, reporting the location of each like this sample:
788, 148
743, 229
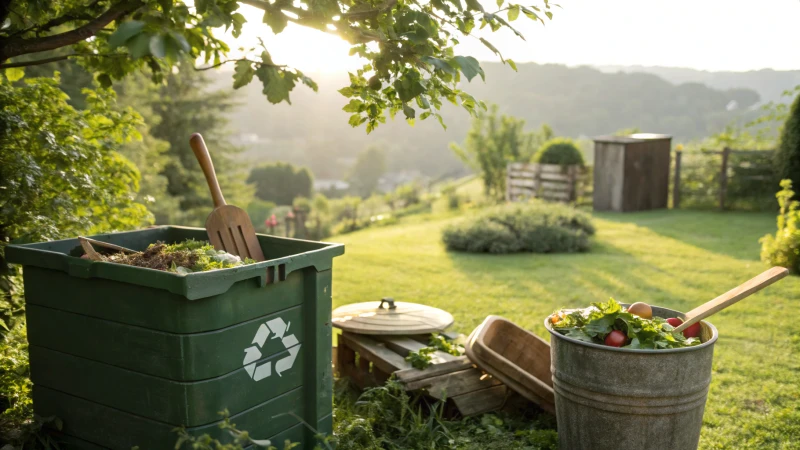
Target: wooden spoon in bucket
734, 295
229, 228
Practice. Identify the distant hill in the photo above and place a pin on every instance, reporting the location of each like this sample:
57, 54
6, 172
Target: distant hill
767, 82
576, 102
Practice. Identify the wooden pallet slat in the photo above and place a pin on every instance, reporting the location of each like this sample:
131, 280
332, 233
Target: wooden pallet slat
458, 364
481, 401
376, 352
371, 360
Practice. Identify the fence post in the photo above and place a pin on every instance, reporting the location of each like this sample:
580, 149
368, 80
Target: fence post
571, 170
676, 182
508, 182
723, 178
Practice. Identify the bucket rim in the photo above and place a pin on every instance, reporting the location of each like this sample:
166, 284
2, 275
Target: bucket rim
708, 343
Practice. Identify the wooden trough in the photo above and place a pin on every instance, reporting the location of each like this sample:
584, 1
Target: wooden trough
517, 357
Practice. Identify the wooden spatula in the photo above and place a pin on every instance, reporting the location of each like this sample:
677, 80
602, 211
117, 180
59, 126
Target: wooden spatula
734, 295
229, 228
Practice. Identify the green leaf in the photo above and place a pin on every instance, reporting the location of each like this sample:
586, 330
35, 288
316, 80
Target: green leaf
409, 112
183, 44
125, 31
346, 91
277, 83
171, 50
512, 64
139, 46
104, 80
242, 73
491, 47
407, 88
500, 3
549, 15
439, 64
355, 106
356, 120
474, 5
15, 73
513, 13
441, 121
469, 67
276, 20
157, 46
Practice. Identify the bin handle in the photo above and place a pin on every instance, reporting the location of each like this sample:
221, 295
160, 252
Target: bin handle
388, 300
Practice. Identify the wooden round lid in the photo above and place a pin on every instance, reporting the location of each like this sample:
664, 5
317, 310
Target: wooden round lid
389, 317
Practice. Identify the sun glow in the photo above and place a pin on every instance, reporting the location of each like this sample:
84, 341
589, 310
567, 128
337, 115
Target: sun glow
306, 49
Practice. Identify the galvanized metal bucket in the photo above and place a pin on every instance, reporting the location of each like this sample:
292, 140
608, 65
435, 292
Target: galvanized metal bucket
630, 399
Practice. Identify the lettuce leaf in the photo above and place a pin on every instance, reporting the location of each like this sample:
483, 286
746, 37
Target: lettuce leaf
594, 323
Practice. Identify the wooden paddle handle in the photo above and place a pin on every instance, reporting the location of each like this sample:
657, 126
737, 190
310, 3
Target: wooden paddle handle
201, 153
734, 295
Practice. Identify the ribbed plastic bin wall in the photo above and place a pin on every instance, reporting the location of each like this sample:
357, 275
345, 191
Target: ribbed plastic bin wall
124, 355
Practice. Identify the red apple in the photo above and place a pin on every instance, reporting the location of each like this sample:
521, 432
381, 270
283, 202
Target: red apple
616, 339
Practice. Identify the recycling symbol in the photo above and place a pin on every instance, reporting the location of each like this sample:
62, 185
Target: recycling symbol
253, 353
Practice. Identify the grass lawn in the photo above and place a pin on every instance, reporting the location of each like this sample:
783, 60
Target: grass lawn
677, 259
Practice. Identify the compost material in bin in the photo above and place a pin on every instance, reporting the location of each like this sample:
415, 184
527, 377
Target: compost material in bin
185, 257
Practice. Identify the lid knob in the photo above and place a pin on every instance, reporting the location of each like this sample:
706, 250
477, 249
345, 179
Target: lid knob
388, 300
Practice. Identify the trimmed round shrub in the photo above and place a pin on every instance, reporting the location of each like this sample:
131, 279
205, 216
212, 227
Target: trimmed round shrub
787, 157
536, 227
559, 151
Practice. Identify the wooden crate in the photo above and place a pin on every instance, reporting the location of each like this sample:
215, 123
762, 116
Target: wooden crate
370, 361
550, 182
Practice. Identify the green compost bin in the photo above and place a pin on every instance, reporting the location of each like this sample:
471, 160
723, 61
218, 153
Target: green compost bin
124, 355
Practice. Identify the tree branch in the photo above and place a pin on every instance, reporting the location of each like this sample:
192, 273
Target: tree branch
34, 63
359, 15
200, 69
38, 62
17, 47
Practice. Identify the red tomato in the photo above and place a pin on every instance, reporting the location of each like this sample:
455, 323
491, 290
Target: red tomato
616, 339
692, 331
674, 321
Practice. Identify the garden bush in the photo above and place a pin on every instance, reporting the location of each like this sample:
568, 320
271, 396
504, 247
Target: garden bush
787, 157
559, 151
783, 249
537, 227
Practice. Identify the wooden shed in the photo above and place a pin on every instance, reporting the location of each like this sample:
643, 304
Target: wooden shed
631, 173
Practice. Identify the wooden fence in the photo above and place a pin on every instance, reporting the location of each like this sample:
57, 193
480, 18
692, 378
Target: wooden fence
737, 174
546, 181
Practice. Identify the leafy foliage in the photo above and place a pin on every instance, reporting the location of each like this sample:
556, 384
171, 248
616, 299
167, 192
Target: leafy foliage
559, 151
493, 142
441, 343
240, 439
592, 324
281, 183
536, 227
421, 358
386, 417
783, 249
409, 46
59, 171
367, 171
787, 157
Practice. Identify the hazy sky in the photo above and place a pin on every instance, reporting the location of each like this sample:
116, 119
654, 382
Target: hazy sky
702, 34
